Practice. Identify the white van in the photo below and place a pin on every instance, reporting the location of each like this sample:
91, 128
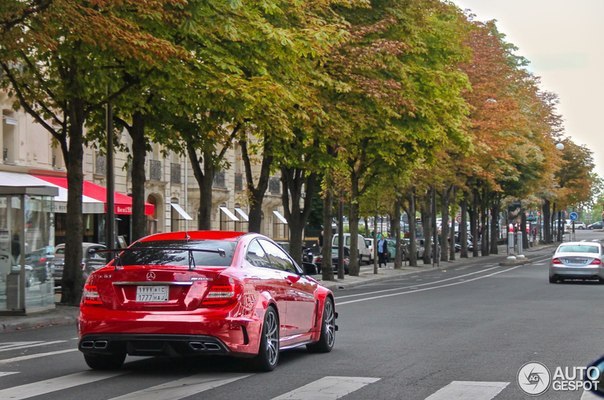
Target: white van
364, 251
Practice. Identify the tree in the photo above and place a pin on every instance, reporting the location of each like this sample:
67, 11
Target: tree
54, 67
398, 91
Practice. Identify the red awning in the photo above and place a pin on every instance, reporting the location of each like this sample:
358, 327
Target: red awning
123, 203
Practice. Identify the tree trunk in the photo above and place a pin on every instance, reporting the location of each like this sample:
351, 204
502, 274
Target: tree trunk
547, 233
444, 234
452, 232
257, 192
523, 230
412, 230
474, 223
463, 228
72, 272
353, 225
426, 211
139, 153
495, 211
205, 178
294, 182
326, 267
398, 264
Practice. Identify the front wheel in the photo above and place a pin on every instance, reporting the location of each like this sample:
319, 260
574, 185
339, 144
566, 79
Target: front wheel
328, 330
268, 354
105, 362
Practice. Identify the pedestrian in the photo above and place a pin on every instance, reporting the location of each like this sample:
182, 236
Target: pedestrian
382, 251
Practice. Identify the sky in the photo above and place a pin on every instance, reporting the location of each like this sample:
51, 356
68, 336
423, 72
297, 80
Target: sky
564, 43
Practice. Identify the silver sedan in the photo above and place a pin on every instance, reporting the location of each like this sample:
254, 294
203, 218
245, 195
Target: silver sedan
574, 260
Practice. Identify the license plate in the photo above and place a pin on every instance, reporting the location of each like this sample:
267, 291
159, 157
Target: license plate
154, 294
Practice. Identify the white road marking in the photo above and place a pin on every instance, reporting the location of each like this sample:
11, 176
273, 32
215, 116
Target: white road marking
422, 284
7, 373
425, 289
52, 385
31, 344
589, 396
469, 390
181, 388
328, 388
32, 356
8, 345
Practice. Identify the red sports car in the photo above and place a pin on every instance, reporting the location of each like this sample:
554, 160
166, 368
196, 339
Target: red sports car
203, 293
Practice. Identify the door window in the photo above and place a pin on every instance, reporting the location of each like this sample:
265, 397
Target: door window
278, 258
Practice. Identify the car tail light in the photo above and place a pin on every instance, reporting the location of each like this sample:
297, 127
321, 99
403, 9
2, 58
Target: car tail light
43, 259
90, 296
223, 291
556, 261
596, 261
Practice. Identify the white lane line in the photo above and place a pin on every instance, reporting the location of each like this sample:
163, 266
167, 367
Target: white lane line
32, 356
590, 396
7, 373
328, 388
8, 345
52, 385
425, 289
421, 284
181, 388
469, 390
33, 344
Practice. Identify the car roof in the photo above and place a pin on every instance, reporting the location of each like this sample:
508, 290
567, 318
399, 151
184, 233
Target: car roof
195, 235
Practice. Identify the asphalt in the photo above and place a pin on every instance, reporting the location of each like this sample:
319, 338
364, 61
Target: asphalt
67, 315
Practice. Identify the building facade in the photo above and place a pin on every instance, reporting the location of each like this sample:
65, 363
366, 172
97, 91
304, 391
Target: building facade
170, 188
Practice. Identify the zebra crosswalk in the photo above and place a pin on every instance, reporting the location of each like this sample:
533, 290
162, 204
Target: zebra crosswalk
324, 388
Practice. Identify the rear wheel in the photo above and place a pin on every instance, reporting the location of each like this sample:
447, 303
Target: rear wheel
268, 354
328, 330
105, 362
553, 279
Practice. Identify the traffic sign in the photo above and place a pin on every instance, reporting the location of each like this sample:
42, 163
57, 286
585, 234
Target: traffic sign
573, 216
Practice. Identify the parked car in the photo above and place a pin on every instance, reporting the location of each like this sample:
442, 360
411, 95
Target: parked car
391, 249
369, 243
577, 260
40, 261
580, 225
202, 293
92, 259
419, 249
318, 259
595, 225
364, 252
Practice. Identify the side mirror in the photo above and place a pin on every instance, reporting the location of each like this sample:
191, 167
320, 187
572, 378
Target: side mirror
309, 268
594, 377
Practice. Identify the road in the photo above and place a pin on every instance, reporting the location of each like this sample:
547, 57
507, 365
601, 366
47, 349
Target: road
431, 335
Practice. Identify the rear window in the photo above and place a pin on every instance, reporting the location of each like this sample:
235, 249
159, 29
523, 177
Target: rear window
160, 253
579, 249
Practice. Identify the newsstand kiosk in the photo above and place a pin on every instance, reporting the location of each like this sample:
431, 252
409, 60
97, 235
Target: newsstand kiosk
26, 249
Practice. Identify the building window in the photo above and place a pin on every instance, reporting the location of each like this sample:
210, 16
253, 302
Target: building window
238, 181
274, 185
174, 217
175, 173
100, 165
9, 137
155, 170
220, 180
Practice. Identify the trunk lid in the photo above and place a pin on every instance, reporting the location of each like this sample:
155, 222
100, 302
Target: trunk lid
155, 288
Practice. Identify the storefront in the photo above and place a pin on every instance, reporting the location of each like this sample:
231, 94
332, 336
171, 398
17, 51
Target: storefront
26, 247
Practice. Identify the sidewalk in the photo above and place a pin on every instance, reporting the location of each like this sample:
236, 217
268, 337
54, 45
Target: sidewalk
66, 315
